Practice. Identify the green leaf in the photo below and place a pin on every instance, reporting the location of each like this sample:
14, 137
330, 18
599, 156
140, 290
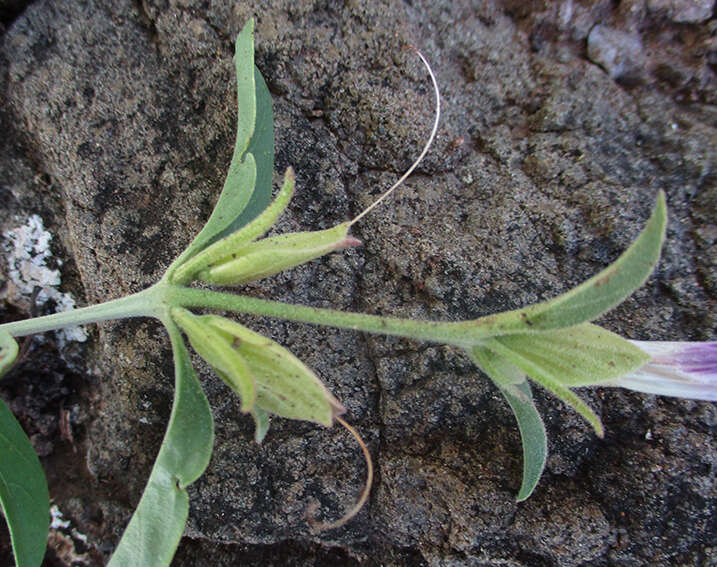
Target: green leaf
23, 491
584, 355
229, 365
157, 524
248, 185
285, 386
261, 147
530, 424
597, 295
239, 183
8, 351
578, 356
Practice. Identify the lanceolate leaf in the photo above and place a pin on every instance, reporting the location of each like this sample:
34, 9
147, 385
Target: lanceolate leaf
611, 286
519, 396
157, 524
236, 192
23, 492
592, 298
579, 356
261, 147
247, 188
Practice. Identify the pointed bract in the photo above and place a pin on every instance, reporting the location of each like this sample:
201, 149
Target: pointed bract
8, 352
278, 253
285, 386
227, 363
227, 248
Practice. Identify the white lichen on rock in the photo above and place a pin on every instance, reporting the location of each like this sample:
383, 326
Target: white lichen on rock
28, 253
65, 540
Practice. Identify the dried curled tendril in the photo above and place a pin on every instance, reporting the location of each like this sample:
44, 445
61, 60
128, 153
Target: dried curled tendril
312, 508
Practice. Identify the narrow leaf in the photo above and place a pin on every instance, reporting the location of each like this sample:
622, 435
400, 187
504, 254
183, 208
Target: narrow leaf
530, 424
247, 188
594, 297
153, 533
261, 147
611, 286
8, 351
237, 190
24, 496
246, 90
524, 351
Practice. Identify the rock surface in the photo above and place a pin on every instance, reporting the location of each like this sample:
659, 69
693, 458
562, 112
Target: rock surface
118, 122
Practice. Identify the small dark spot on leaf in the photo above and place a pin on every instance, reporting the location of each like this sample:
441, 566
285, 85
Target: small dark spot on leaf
605, 279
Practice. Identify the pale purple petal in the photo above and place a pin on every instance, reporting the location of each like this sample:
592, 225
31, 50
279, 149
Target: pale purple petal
680, 369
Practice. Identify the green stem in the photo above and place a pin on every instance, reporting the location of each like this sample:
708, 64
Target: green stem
156, 301
464, 333
147, 303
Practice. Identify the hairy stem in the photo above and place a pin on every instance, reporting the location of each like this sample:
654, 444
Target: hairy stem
147, 303
464, 333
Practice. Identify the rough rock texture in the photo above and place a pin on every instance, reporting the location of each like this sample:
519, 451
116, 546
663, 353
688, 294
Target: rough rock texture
117, 121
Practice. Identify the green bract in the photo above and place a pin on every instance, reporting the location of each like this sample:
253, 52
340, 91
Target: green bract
285, 386
273, 255
225, 250
219, 353
553, 343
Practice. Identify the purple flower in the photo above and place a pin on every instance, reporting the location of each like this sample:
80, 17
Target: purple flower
680, 369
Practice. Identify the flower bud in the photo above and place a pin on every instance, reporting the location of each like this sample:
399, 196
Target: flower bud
275, 254
213, 347
227, 247
285, 386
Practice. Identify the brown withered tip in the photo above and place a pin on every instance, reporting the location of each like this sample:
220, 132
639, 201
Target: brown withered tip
337, 408
350, 241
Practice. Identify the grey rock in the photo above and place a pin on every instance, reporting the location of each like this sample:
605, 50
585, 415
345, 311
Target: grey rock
683, 11
545, 168
618, 52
